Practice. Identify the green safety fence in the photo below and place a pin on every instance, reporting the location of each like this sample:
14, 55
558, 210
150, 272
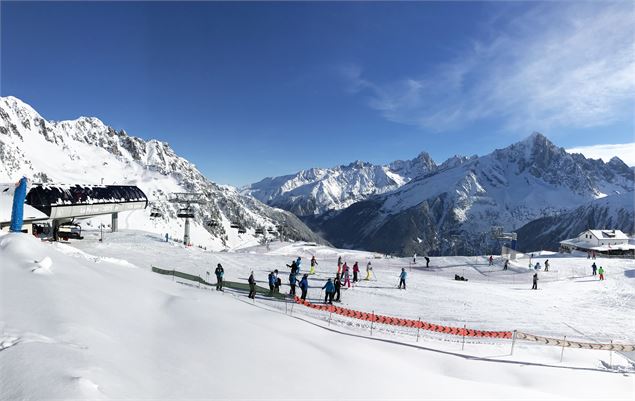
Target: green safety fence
228, 284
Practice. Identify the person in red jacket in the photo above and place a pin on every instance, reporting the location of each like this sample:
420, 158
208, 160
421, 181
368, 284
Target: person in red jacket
355, 271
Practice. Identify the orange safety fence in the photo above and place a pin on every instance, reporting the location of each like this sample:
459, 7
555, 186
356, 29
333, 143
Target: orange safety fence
395, 321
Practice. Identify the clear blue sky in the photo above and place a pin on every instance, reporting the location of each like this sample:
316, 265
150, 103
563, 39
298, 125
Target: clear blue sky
248, 90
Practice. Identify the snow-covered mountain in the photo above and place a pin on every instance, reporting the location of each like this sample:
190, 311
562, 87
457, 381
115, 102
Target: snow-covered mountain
87, 151
611, 212
453, 209
318, 190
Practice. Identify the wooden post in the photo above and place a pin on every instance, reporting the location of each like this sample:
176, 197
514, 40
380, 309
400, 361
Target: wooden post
564, 341
513, 343
463, 345
418, 328
371, 323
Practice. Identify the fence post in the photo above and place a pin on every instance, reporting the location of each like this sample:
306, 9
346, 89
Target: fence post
172, 274
564, 341
371, 323
330, 314
513, 342
292, 307
418, 328
285, 307
463, 345
611, 356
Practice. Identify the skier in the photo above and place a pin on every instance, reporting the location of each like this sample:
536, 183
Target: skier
329, 291
338, 285
292, 281
252, 285
506, 264
427, 261
313, 264
595, 269
369, 269
272, 283
402, 278
298, 262
535, 281
293, 266
347, 276
355, 272
547, 265
414, 259
491, 260
593, 255
339, 264
304, 286
219, 277
166, 237
537, 266
601, 273
278, 281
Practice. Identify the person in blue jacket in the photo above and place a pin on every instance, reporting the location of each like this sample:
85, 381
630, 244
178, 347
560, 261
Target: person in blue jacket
402, 278
219, 272
304, 286
292, 281
330, 291
272, 282
298, 262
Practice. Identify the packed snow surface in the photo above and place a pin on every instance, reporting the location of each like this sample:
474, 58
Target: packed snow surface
98, 324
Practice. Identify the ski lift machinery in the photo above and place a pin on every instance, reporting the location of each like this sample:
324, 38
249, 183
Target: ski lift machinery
185, 200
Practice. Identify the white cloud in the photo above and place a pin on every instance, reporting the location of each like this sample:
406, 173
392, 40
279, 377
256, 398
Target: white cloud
625, 151
558, 65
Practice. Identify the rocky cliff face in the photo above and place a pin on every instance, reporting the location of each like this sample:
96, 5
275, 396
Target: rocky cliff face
88, 151
453, 209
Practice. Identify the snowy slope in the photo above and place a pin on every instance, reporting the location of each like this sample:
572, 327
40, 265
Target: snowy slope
88, 151
611, 212
318, 190
65, 336
509, 187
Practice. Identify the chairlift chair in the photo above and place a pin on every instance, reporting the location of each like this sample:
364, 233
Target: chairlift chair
155, 213
211, 223
185, 213
260, 231
242, 230
235, 224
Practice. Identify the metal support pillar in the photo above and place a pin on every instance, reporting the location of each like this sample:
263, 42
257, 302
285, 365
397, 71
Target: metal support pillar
114, 224
186, 235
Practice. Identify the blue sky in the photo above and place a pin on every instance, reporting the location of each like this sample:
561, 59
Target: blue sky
249, 90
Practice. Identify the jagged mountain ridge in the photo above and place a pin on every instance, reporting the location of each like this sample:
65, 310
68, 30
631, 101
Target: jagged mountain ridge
453, 209
315, 191
88, 151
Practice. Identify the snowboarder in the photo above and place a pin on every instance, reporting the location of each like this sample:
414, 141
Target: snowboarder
535, 281
402, 278
355, 272
252, 285
595, 269
427, 261
601, 273
338, 285
272, 283
547, 265
219, 272
313, 264
304, 286
506, 264
329, 291
491, 260
369, 269
292, 281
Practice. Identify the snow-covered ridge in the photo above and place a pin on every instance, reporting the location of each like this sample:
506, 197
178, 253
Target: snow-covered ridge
87, 151
318, 190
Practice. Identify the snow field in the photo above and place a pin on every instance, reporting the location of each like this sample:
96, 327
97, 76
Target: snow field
100, 325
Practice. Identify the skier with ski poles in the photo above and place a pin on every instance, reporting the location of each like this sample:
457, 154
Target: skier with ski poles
304, 286
252, 285
355, 272
313, 264
219, 272
402, 278
329, 291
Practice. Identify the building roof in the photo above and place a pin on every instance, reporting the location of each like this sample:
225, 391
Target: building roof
608, 234
6, 204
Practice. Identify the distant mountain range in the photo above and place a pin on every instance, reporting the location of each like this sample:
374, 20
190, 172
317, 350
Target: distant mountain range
425, 208
87, 151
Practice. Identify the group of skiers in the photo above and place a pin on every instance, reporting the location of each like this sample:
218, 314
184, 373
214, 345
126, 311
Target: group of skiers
596, 271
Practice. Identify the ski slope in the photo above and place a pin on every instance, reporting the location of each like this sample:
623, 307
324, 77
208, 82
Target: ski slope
90, 320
